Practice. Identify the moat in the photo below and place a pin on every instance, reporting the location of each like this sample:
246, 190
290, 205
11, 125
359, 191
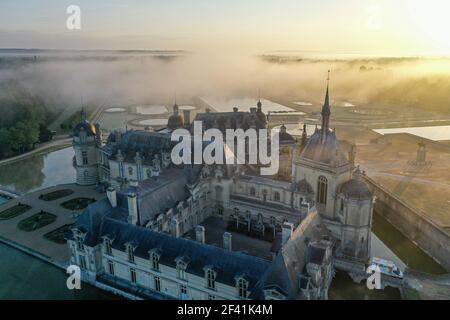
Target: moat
24, 276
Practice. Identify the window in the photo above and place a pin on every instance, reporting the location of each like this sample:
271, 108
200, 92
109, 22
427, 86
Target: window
84, 157
155, 261
342, 205
111, 267
211, 297
322, 185
130, 171
252, 191
181, 268
80, 245
130, 250
157, 284
183, 292
211, 279
273, 220
149, 173
108, 249
132, 275
82, 262
242, 285
276, 196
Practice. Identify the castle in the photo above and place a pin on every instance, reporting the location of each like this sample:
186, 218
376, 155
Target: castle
219, 231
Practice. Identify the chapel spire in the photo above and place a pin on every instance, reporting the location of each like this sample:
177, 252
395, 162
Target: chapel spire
326, 112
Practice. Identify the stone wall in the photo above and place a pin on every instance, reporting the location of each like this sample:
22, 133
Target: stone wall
420, 229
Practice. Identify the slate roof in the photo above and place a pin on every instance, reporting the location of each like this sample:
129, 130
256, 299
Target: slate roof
231, 120
100, 220
147, 143
356, 189
325, 150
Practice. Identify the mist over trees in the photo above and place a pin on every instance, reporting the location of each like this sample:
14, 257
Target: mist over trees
23, 121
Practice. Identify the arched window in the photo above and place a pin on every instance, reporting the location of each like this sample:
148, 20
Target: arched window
252, 191
130, 171
322, 185
276, 196
242, 286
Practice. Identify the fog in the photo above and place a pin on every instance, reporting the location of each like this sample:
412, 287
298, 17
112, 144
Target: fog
121, 79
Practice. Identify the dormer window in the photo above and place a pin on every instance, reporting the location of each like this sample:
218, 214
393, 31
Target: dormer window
210, 275
155, 255
242, 287
130, 171
182, 263
252, 191
107, 246
130, 252
80, 241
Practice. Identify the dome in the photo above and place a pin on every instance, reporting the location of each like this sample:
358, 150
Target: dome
324, 147
356, 189
175, 120
284, 136
86, 126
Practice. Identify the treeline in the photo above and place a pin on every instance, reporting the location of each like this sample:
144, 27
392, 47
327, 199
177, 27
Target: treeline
23, 123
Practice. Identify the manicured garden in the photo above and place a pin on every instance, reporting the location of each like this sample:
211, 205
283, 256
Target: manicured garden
57, 235
36, 221
77, 203
54, 195
14, 211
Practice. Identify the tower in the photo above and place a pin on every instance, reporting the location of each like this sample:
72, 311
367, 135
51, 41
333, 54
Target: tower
85, 142
326, 112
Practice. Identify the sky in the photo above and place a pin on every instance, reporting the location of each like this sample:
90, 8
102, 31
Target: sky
368, 27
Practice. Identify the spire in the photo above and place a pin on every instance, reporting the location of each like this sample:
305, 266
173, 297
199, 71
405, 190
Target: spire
83, 114
326, 105
326, 111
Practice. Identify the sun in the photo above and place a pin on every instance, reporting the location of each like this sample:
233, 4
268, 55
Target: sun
430, 20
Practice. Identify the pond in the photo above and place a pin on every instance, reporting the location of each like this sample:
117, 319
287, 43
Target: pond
39, 171
436, 133
244, 104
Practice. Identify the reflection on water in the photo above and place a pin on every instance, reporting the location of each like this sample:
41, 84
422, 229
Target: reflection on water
25, 277
39, 171
405, 249
436, 133
244, 104
343, 288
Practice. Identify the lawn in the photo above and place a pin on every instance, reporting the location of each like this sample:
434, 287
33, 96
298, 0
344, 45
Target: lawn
77, 203
14, 211
57, 235
55, 195
36, 221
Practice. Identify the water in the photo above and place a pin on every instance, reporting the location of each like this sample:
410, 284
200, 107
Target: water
436, 133
405, 249
39, 171
244, 104
151, 110
25, 277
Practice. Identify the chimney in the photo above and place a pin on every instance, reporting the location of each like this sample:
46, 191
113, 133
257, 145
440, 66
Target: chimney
200, 234
288, 229
187, 118
227, 241
112, 196
132, 209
